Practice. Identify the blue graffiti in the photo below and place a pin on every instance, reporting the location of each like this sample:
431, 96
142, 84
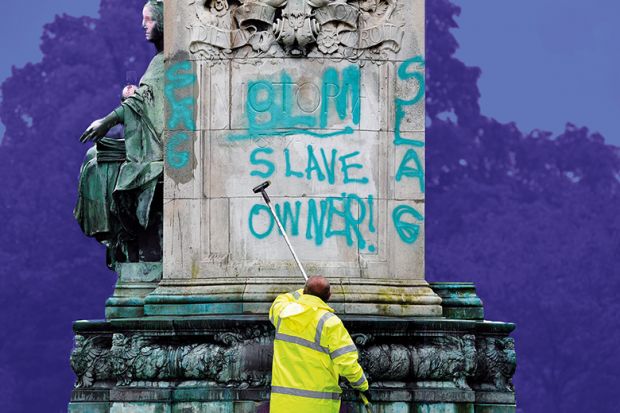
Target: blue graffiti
416, 171
350, 86
270, 167
179, 77
279, 133
255, 211
320, 164
410, 165
346, 167
343, 217
313, 166
176, 158
351, 225
286, 214
270, 113
330, 166
289, 171
407, 231
181, 110
400, 104
316, 221
269, 106
371, 214
279, 113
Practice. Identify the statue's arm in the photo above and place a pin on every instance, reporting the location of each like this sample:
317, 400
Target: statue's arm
99, 128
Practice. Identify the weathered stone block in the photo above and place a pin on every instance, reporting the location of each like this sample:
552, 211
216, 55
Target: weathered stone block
443, 408
85, 407
140, 407
336, 121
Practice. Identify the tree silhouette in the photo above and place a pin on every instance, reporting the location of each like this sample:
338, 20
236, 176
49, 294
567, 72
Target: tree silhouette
532, 220
50, 273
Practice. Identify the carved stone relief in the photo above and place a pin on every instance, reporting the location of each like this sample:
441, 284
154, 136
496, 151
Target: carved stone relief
444, 358
338, 29
242, 359
90, 360
496, 363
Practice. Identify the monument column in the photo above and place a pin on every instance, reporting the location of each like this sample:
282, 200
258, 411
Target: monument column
325, 100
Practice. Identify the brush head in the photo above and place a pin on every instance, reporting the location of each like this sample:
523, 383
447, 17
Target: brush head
261, 187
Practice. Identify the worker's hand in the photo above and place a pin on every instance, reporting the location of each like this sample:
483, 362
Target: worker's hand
364, 395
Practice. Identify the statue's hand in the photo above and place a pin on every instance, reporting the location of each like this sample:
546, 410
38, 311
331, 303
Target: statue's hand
99, 128
95, 131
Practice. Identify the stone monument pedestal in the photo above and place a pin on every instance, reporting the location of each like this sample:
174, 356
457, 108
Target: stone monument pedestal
135, 281
254, 296
222, 363
325, 99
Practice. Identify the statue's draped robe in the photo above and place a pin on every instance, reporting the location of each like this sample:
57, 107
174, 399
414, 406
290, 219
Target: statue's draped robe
118, 179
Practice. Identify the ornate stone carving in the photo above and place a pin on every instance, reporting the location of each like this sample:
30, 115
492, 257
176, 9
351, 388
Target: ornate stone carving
386, 362
200, 362
138, 358
496, 363
134, 358
241, 358
90, 360
333, 28
444, 358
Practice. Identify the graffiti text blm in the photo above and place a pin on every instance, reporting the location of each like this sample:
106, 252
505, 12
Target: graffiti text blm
283, 107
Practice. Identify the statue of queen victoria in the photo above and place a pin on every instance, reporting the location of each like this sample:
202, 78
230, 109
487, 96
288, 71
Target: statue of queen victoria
120, 186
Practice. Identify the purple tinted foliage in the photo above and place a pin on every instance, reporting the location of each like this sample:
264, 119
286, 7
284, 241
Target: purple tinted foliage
532, 220
50, 274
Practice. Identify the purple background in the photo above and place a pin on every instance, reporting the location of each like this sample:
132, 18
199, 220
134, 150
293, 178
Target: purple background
530, 216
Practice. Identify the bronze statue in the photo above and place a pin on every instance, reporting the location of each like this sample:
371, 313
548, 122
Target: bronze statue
120, 189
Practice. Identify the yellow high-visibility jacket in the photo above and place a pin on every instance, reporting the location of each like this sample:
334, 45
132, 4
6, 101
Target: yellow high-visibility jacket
312, 348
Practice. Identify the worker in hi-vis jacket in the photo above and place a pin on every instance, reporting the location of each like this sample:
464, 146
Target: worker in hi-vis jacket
312, 348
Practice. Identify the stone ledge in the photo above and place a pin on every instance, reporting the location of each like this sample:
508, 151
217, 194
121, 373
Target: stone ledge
407, 360
187, 393
402, 326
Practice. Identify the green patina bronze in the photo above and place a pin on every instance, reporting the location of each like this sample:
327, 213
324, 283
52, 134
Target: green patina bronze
459, 300
222, 363
121, 180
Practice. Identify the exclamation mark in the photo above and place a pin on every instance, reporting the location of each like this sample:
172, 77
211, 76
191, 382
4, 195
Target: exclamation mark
371, 217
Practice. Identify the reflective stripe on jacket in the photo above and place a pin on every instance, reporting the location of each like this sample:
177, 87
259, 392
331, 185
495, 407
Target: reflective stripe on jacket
312, 348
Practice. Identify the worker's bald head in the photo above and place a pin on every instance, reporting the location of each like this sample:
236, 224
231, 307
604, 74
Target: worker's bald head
319, 287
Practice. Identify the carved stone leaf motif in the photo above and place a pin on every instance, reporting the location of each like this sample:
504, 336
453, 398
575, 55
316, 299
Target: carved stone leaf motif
386, 362
202, 361
444, 358
89, 360
242, 358
496, 363
229, 338
335, 28
362, 339
122, 358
